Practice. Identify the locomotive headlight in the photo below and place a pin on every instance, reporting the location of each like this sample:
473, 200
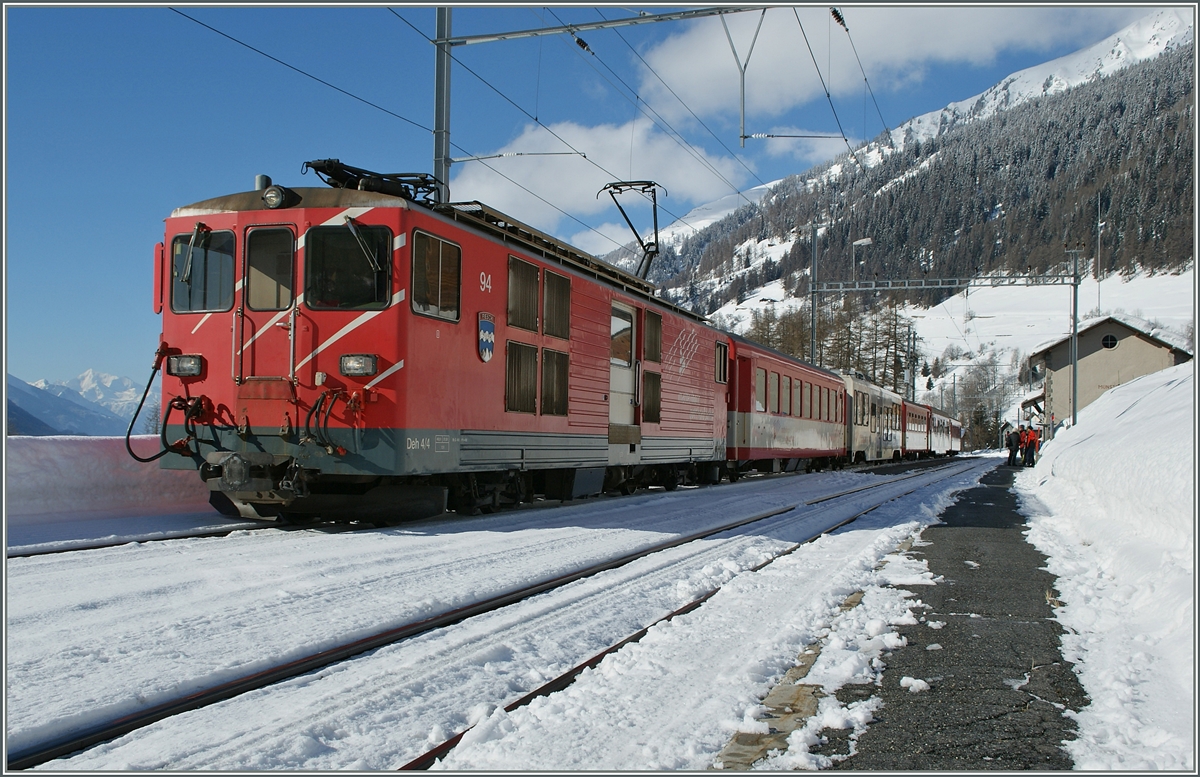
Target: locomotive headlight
357, 365
185, 366
274, 196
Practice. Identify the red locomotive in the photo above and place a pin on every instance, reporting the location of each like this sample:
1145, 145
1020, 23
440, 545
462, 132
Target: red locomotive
361, 352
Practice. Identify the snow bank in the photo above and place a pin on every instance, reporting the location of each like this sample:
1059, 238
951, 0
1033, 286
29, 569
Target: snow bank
76, 477
1112, 503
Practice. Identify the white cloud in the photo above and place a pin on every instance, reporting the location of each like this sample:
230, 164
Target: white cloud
895, 44
806, 150
571, 184
612, 235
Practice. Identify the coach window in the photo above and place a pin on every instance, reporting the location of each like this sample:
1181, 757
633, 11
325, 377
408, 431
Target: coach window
520, 378
785, 396
556, 309
202, 272
653, 337
555, 369
436, 277
522, 294
773, 392
269, 269
721, 356
760, 389
348, 269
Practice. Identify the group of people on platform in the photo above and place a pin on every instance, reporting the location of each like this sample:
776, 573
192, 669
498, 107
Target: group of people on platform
1023, 443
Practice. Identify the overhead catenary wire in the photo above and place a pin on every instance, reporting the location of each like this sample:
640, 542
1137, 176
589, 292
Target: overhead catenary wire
658, 119
530, 116
828, 96
699, 121
841, 19
393, 114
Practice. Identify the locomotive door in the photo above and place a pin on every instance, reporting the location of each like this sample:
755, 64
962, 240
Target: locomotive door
265, 320
623, 368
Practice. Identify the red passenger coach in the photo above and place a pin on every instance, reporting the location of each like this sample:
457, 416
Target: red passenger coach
917, 421
355, 353
783, 413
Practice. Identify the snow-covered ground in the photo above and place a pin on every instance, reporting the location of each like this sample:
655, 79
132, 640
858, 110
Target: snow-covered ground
96, 632
1112, 503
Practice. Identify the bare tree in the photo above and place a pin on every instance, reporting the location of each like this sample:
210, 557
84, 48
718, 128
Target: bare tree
152, 416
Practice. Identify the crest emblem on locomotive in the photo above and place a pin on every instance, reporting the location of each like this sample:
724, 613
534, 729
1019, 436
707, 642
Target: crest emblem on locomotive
487, 336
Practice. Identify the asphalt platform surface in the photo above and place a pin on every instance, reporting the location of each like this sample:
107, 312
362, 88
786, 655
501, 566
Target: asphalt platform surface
998, 686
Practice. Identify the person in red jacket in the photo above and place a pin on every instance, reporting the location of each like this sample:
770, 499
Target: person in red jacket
1030, 444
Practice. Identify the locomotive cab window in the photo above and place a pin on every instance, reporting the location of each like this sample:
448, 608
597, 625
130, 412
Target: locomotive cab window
522, 294
348, 269
436, 277
653, 335
269, 269
721, 355
520, 380
556, 308
621, 333
652, 397
555, 371
202, 271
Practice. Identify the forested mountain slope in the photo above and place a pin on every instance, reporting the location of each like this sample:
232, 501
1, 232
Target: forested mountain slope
998, 194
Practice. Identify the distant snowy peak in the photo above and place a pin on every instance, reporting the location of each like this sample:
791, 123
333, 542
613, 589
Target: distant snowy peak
115, 394
1161, 31
705, 215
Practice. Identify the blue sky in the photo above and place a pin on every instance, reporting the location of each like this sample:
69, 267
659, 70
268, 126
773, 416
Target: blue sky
116, 115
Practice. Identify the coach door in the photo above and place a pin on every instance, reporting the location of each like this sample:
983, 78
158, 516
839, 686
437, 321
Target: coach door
265, 318
623, 377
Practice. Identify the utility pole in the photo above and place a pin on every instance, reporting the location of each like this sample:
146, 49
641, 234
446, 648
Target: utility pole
1074, 330
441, 106
443, 41
812, 296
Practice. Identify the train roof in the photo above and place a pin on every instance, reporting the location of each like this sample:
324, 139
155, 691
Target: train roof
472, 214
788, 357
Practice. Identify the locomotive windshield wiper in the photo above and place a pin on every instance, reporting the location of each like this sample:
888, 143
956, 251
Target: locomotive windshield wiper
363, 245
187, 262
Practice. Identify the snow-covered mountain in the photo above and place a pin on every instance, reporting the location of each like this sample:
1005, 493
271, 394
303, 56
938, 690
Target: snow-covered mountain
60, 414
1158, 32
90, 389
1163, 30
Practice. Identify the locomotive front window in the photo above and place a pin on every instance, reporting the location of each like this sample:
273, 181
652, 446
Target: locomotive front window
202, 272
436, 284
348, 270
269, 269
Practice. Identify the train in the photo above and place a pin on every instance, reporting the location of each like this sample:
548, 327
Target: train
360, 351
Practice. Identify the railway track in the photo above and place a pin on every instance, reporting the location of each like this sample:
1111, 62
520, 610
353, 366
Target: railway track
809, 509
331, 527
